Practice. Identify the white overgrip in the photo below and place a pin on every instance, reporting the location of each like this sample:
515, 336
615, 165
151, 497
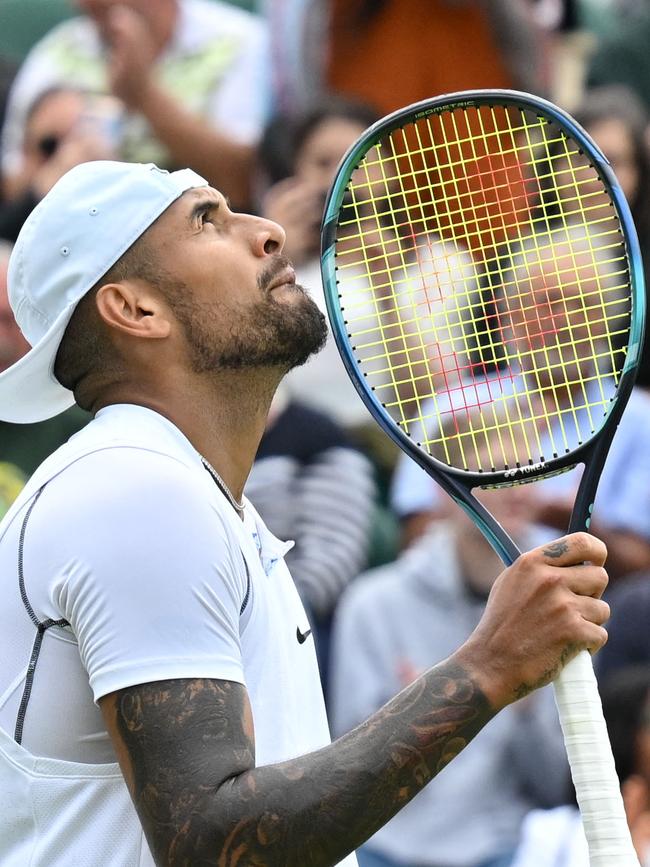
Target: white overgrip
592, 765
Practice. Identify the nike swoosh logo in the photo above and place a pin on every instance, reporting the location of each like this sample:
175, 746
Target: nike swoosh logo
302, 636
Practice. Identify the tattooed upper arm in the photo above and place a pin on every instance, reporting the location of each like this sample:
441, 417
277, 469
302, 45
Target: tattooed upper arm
177, 742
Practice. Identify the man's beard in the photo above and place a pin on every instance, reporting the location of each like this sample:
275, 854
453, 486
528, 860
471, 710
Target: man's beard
266, 334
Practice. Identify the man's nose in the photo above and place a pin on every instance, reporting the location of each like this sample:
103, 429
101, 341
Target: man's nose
268, 237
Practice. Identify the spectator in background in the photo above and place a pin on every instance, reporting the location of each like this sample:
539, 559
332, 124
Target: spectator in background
24, 447
63, 128
312, 486
191, 74
392, 53
552, 838
299, 159
391, 624
616, 119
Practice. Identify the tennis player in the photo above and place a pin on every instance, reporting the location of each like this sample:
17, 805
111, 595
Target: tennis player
159, 696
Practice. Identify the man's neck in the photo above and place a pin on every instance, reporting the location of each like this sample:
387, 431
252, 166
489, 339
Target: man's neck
223, 416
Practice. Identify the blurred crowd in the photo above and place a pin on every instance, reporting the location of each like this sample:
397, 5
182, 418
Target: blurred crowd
263, 99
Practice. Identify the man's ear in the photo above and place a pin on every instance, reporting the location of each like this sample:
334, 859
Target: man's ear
133, 308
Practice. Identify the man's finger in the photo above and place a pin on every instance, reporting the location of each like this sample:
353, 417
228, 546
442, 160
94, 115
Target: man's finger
594, 610
574, 549
585, 579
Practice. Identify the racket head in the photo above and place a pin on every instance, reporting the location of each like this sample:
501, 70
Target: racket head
441, 221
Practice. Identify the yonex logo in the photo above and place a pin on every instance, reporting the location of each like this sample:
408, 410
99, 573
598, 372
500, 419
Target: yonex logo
529, 468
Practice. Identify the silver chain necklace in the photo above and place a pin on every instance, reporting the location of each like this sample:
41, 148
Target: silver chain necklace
238, 507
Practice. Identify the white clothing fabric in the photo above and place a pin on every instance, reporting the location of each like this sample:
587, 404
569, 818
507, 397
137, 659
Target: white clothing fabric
150, 574
216, 64
552, 838
555, 838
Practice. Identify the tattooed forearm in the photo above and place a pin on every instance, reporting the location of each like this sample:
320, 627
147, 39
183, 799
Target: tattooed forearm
188, 755
556, 550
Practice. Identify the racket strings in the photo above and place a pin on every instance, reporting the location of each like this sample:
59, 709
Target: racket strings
485, 287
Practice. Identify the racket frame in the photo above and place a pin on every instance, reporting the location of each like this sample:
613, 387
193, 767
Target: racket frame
593, 452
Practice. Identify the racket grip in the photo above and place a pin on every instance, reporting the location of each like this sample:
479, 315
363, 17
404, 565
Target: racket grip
592, 765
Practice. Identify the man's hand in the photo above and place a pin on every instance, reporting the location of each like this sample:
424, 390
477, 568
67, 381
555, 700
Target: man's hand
132, 52
541, 612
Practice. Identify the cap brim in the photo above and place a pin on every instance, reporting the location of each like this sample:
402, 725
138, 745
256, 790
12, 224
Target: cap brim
28, 390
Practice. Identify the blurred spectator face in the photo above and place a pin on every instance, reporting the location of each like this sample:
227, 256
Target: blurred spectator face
615, 141
510, 506
12, 343
324, 148
53, 119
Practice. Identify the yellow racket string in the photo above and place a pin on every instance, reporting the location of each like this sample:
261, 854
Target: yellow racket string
484, 284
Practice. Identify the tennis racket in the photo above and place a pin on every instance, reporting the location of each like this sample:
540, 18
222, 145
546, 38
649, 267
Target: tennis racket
485, 289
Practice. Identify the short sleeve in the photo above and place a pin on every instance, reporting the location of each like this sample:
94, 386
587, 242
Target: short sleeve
145, 569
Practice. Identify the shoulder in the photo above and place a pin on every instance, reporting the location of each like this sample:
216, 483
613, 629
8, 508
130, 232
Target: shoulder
129, 487
77, 31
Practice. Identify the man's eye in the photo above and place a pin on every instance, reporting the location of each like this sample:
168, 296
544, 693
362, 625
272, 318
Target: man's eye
206, 217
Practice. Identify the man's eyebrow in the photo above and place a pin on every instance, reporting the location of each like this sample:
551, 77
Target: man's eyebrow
205, 205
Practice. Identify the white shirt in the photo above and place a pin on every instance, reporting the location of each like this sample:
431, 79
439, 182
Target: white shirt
555, 838
132, 543
216, 64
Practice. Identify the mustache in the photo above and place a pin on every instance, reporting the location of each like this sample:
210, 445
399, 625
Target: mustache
278, 264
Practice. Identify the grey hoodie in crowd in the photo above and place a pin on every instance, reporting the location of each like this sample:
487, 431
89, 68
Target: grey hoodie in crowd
400, 619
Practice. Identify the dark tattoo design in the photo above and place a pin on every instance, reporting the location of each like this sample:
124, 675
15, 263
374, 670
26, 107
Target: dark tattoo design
187, 752
556, 550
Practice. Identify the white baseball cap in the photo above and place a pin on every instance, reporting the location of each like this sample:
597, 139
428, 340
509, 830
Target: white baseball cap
90, 217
